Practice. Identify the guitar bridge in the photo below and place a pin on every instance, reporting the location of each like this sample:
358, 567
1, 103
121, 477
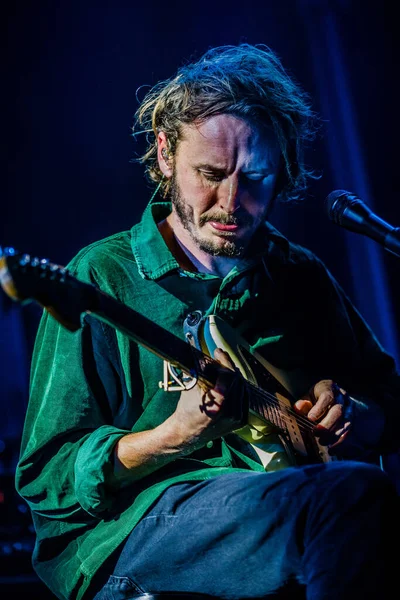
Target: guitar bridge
176, 380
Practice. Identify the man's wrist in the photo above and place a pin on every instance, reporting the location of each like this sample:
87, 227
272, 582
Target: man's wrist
367, 421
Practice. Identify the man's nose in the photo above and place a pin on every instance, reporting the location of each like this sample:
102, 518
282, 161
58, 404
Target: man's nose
229, 195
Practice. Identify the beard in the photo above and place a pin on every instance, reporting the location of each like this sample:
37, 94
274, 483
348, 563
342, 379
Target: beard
225, 243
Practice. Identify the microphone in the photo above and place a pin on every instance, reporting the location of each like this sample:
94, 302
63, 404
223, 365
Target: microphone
348, 211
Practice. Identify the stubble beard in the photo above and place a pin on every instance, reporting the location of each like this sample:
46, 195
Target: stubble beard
228, 248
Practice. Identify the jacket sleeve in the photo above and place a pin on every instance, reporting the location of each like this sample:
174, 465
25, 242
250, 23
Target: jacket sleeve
76, 389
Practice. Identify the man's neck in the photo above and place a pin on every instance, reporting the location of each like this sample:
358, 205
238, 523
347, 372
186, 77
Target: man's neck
206, 263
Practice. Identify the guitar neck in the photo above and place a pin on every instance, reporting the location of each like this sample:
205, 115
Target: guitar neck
268, 408
68, 299
142, 330
155, 338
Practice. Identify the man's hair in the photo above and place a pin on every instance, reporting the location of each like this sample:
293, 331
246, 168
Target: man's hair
246, 81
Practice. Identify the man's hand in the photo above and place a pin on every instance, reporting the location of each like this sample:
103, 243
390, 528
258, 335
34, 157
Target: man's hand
201, 415
330, 408
204, 414
350, 427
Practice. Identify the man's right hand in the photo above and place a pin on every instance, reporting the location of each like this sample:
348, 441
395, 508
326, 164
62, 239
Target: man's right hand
201, 415
204, 414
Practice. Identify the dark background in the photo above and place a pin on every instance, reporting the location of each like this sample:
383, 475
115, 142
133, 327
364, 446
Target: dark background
70, 82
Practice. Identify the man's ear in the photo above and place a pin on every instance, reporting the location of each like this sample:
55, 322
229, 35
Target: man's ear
164, 156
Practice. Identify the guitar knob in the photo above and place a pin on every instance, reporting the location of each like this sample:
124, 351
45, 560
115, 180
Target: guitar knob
193, 318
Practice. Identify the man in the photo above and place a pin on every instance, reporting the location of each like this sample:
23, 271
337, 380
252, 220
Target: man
136, 488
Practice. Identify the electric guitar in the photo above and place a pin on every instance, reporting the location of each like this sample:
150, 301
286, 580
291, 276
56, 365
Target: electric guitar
280, 436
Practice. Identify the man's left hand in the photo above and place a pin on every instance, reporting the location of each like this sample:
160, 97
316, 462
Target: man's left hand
330, 408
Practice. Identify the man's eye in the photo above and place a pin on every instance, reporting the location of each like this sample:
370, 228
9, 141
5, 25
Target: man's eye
212, 176
254, 176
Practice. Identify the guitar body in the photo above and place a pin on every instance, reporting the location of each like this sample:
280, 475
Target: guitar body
277, 433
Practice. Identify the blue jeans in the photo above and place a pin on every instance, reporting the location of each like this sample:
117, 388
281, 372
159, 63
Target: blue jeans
322, 530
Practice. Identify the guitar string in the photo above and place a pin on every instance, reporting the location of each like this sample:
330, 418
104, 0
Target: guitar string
273, 402
270, 400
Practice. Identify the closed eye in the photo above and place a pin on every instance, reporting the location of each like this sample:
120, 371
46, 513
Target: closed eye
255, 176
213, 175
217, 176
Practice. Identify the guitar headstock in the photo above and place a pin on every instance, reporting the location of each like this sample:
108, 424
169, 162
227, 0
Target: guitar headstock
25, 278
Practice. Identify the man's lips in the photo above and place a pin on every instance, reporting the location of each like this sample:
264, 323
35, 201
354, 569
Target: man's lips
223, 227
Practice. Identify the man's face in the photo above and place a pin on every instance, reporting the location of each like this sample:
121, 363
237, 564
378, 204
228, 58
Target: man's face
223, 182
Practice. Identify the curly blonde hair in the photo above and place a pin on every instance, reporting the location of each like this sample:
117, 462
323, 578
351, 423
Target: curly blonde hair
246, 81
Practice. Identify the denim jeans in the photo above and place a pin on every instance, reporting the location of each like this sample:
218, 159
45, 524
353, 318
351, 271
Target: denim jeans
322, 530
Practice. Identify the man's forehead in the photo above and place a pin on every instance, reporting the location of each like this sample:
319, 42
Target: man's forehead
229, 134
218, 129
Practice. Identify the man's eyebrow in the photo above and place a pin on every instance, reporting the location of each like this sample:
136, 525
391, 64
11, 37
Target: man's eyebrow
209, 167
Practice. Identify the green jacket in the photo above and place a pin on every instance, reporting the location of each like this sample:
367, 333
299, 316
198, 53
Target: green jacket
91, 387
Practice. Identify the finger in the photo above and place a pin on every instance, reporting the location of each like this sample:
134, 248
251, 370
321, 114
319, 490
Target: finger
341, 436
324, 402
331, 439
303, 406
323, 386
325, 393
224, 359
333, 420
225, 376
344, 431
211, 403
231, 385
